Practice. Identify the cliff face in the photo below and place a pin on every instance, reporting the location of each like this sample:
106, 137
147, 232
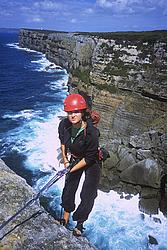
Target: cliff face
126, 61
65, 49
126, 75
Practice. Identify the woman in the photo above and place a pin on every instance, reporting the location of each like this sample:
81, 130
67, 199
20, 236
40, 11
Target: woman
79, 137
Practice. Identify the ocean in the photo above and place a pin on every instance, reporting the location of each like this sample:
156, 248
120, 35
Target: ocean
32, 91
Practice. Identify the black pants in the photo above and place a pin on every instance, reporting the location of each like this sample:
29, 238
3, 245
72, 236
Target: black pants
87, 195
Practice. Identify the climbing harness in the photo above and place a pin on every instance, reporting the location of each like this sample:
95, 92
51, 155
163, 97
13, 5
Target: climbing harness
54, 179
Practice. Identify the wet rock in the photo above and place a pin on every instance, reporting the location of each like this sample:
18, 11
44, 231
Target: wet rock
33, 228
143, 154
149, 206
149, 193
157, 220
111, 162
145, 173
142, 216
128, 197
143, 141
130, 189
149, 199
152, 240
163, 205
126, 159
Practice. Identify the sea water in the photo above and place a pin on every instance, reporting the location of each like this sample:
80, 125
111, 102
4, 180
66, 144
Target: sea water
32, 91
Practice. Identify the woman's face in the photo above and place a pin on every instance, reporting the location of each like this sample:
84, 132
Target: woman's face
75, 116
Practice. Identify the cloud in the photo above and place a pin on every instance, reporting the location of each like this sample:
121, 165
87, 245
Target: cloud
104, 3
47, 5
88, 11
119, 6
85, 14
37, 20
133, 6
5, 13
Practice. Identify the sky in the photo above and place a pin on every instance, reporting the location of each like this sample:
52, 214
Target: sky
84, 15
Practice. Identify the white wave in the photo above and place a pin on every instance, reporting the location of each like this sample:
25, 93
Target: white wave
117, 224
52, 67
16, 46
43, 63
41, 150
27, 114
61, 84
13, 45
46, 65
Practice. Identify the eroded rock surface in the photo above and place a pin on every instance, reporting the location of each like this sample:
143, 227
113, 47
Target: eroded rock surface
27, 232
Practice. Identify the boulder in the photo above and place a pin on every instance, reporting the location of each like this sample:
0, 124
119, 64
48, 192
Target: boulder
145, 173
126, 158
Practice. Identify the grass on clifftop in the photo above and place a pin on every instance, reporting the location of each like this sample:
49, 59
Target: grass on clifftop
160, 35
155, 34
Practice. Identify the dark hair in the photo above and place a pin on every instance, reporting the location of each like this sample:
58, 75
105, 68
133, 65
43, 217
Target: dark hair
86, 115
87, 98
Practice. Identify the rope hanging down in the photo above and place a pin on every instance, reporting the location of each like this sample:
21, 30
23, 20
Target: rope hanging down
55, 178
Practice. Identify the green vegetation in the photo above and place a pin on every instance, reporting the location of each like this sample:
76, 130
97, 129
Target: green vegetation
163, 67
145, 52
84, 76
116, 71
118, 68
144, 36
159, 123
110, 88
162, 78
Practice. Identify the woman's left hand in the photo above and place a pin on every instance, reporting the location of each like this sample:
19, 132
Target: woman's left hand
66, 164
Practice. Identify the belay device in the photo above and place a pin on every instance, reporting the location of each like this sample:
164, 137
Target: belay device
55, 178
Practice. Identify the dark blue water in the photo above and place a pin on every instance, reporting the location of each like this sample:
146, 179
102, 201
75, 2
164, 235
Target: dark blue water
30, 94
31, 101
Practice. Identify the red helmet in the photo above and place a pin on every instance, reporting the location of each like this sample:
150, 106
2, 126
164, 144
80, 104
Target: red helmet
74, 102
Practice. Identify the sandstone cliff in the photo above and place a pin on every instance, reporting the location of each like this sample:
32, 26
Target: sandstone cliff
33, 228
126, 76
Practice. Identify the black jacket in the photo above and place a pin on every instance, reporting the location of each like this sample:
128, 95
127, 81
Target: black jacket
85, 144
